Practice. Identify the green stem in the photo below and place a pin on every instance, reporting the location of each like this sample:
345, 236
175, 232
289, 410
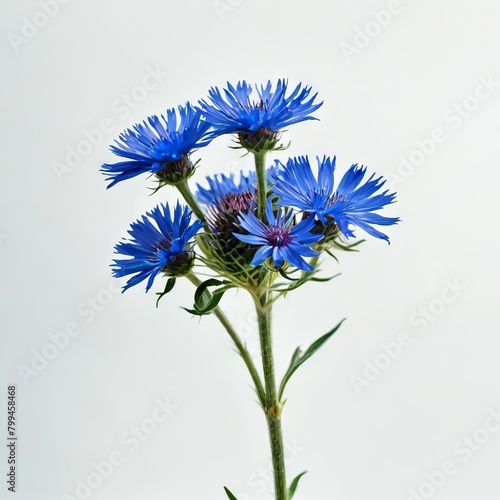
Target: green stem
260, 168
193, 204
259, 389
314, 260
273, 407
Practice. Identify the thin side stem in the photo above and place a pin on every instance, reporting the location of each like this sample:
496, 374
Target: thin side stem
260, 168
259, 388
191, 201
273, 407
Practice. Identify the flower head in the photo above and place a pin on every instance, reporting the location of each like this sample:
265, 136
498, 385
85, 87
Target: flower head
159, 146
351, 204
279, 238
158, 243
257, 121
221, 185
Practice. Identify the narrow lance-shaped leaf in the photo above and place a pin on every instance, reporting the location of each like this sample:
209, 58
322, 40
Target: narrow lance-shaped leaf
348, 247
286, 276
298, 357
229, 494
283, 290
170, 284
294, 484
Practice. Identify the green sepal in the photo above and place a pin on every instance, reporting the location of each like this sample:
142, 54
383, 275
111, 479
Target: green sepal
176, 172
204, 301
229, 494
348, 247
168, 287
299, 357
233, 266
296, 283
331, 255
261, 141
286, 276
294, 484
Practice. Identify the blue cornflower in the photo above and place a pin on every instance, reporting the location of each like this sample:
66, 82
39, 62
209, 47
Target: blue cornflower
158, 243
351, 204
161, 148
259, 120
220, 185
279, 238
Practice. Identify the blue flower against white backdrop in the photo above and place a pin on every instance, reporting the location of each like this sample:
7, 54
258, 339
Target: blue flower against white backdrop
158, 145
159, 242
352, 203
279, 238
257, 117
221, 185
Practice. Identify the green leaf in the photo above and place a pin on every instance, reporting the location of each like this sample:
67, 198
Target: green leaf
170, 284
204, 301
298, 357
293, 486
201, 292
229, 494
208, 307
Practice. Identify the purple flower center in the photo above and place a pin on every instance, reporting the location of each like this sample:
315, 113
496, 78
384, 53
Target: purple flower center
278, 236
164, 244
337, 198
238, 202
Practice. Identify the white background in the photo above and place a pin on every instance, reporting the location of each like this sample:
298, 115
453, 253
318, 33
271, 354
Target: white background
375, 442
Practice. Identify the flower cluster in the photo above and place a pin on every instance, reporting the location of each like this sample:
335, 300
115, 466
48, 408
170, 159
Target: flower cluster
266, 222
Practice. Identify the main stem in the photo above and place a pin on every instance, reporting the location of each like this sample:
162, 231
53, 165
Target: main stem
260, 169
273, 407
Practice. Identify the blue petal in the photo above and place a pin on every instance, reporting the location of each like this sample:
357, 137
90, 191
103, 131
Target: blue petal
261, 255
